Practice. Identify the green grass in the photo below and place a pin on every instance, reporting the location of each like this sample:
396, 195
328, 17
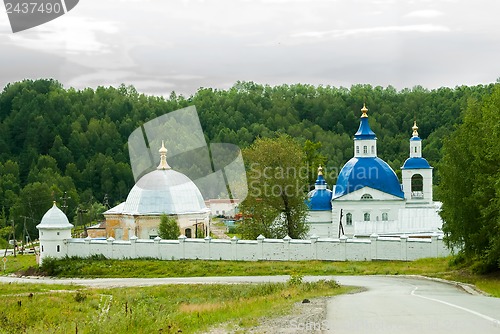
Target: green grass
18, 263
159, 309
90, 268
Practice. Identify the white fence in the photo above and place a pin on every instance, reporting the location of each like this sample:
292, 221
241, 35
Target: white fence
343, 249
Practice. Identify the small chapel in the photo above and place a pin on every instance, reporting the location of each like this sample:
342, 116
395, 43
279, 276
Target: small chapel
162, 191
368, 197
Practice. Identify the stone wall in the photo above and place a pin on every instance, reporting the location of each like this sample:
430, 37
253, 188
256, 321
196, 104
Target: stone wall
343, 249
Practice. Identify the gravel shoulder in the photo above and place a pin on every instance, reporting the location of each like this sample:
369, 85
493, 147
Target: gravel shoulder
303, 318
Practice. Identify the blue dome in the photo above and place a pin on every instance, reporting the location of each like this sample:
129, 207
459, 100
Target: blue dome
416, 163
364, 131
371, 172
320, 200
415, 138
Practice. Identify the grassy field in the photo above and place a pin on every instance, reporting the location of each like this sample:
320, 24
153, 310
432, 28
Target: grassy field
100, 267
159, 309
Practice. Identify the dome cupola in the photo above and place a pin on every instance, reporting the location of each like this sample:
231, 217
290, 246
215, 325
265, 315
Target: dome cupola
320, 198
54, 219
365, 141
164, 190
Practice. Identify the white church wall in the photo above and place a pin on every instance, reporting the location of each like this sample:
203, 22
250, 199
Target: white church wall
320, 223
343, 249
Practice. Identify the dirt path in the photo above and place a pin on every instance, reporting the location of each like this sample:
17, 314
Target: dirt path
303, 318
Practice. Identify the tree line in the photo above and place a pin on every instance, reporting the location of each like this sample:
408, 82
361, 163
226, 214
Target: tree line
70, 145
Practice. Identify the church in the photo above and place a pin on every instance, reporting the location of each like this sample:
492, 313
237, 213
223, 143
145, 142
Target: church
368, 197
162, 191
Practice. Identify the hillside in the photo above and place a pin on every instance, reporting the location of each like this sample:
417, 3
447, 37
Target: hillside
58, 143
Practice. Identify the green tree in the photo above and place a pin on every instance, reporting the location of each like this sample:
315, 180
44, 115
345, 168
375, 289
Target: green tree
470, 186
277, 178
168, 229
313, 159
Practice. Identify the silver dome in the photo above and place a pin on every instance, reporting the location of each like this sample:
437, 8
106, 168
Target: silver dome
54, 218
164, 191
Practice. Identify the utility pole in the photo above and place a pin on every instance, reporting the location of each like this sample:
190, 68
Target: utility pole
14, 236
80, 213
341, 228
65, 197
106, 201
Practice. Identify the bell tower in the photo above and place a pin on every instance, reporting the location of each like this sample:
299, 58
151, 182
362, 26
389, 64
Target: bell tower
417, 173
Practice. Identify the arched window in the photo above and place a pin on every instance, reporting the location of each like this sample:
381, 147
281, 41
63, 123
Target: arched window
367, 217
187, 232
365, 149
348, 218
417, 186
385, 216
366, 197
58, 248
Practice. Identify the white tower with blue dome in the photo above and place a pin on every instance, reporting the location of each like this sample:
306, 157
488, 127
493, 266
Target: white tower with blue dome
417, 173
320, 207
369, 198
367, 190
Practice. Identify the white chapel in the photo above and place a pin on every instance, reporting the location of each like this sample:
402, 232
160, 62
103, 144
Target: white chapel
369, 198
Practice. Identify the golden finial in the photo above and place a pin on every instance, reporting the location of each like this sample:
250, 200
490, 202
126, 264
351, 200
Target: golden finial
415, 128
320, 170
364, 110
163, 157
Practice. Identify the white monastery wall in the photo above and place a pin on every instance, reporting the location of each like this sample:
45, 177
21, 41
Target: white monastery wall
343, 249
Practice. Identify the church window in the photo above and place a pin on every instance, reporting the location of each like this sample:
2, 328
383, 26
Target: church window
367, 216
357, 149
187, 232
417, 186
57, 233
385, 216
365, 149
415, 149
366, 197
58, 248
42, 248
373, 149
348, 218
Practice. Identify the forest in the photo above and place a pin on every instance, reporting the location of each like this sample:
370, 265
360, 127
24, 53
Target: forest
70, 145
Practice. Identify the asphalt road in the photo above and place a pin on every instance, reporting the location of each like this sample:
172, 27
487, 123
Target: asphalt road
390, 304
409, 305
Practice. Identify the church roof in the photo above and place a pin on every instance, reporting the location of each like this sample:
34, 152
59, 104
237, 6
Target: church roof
54, 218
416, 163
320, 198
371, 172
364, 131
163, 190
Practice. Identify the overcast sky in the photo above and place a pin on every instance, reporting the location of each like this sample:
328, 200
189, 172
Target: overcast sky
162, 46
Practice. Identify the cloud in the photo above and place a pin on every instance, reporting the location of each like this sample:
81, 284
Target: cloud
70, 35
426, 13
340, 33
